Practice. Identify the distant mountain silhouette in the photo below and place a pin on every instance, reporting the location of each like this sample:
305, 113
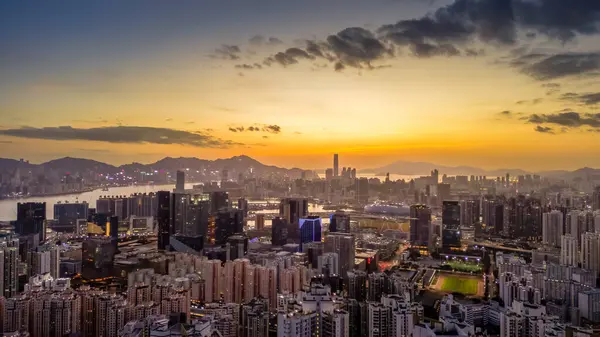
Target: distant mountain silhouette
76, 165
417, 168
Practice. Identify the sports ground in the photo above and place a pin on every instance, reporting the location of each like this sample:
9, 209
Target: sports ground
466, 285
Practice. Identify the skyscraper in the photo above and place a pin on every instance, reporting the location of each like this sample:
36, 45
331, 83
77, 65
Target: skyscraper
344, 245
596, 199
227, 223
362, 190
339, 222
180, 184
279, 232
31, 219
67, 214
310, 230
336, 165
163, 219
292, 209
190, 213
218, 200
552, 228
113, 230
450, 224
420, 225
569, 255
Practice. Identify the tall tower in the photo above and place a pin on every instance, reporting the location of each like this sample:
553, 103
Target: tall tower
336, 165
163, 218
180, 185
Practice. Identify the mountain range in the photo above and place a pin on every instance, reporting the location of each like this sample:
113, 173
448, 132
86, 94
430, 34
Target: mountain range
422, 168
245, 163
74, 165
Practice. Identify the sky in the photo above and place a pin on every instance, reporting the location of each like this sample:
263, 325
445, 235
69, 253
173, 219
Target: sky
486, 83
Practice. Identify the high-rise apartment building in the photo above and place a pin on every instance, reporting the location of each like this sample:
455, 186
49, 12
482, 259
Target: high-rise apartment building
590, 252
450, 224
569, 252
336, 165
552, 228
44, 260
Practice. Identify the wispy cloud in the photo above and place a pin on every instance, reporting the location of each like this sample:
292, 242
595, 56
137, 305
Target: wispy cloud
269, 128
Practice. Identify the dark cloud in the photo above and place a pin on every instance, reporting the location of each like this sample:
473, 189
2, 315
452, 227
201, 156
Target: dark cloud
228, 52
568, 119
583, 99
530, 102
550, 67
339, 66
257, 128
246, 66
169, 120
272, 128
121, 134
289, 57
259, 40
453, 29
544, 129
506, 113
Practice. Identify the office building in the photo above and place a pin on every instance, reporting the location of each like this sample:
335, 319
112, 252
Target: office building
344, 245
328, 174
420, 225
313, 251
219, 200
451, 224
336, 166
142, 205
67, 214
180, 182
112, 231
493, 216
190, 214
328, 264
163, 219
552, 228
293, 209
569, 253
238, 245
31, 219
339, 222
279, 232
362, 191
310, 230
259, 222
228, 223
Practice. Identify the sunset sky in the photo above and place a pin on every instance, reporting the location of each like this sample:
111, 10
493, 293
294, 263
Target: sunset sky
487, 83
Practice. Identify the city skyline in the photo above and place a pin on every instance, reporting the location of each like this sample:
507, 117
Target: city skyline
483, 83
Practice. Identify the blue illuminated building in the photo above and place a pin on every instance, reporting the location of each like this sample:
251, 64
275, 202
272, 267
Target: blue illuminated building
310, 230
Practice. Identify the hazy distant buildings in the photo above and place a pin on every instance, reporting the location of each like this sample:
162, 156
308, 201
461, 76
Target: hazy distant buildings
569, 254
362, 190
336, 165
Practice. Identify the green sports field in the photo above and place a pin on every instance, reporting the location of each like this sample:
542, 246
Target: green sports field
463, 266
466, 286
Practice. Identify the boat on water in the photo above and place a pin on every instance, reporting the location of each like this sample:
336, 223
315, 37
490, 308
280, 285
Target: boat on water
388, 208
